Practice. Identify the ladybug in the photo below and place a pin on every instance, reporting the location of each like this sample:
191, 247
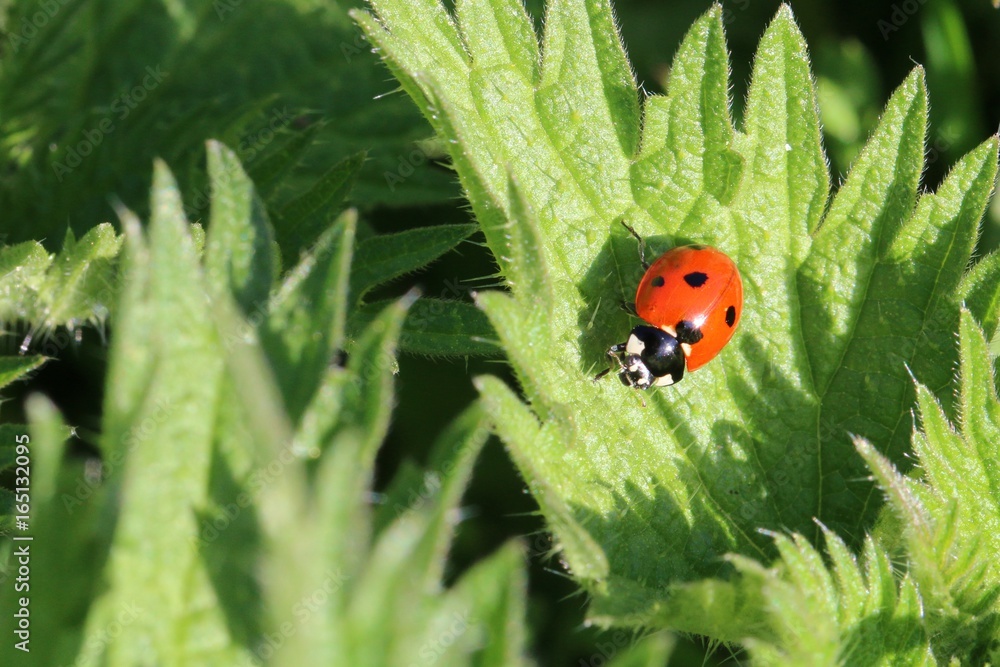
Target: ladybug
691, 298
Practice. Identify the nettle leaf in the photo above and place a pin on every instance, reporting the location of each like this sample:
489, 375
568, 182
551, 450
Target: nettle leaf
81, 281
950, 513
239, 258
981, 292
645, 492
305, 320
385, 257
232, 421
56, 294
15, 368
22, 270
166, 335
435, 326
269, 171
312, 90
809, 610
440, 327
303, 219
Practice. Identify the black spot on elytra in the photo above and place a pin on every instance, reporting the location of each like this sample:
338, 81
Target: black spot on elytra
731, 316
696, 278
657, 281
688, 333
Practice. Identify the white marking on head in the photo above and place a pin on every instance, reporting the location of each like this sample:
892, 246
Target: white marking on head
669, 329
634, 345
687, 349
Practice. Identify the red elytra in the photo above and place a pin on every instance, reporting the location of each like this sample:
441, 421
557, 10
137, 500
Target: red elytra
691, 298
698, 285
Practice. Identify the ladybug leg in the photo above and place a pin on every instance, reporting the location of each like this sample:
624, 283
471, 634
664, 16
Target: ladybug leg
629, 308
614, 353
602, 374
642, 245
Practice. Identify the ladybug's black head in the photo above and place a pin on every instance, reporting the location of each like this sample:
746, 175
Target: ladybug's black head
651, 358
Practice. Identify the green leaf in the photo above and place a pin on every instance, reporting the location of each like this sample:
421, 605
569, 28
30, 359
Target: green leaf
907, 317
80, 283
232, 421
863, 220
305, 319
301, 220
839, 303
344, 424
651, 651
408, 558
268, 172
980, 290
15, 368
238, 253
359, 622
296, 65
77, 286
372, 360
513, 421
439, 327
156, 533
842, 610
382, 258
492, 596
22, 271
696, 118
948, 514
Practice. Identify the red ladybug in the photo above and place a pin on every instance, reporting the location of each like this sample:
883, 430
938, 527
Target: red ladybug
692, 296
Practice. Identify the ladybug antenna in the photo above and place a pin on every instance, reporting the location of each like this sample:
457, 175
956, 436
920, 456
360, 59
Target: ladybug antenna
642, 244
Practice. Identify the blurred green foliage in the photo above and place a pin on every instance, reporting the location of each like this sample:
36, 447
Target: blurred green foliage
92, 92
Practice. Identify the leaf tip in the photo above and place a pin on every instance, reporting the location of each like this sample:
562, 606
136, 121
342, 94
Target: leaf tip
410, 297
917, 78
785, 12
863, 447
